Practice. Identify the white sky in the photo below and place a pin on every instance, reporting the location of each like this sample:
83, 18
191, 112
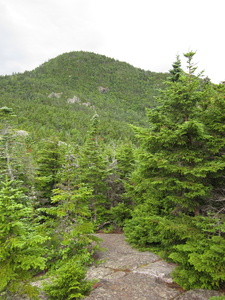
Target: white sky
147, 34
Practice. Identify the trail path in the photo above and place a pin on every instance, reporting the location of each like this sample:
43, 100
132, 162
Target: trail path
128, 274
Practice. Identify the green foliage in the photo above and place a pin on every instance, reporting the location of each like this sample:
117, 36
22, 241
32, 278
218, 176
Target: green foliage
5, 155
189, 241
71, 241
120, 213
71, 204
71, 253
178, 182
49, 161
68, 224
201, 263
116, 90
168, 194
68, 282
21, 250
92, 170
176, 72
145, 230
69, 228
176, 164
125, 159
15, 158
200, 258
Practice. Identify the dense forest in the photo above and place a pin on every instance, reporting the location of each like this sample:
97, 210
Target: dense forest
88, 143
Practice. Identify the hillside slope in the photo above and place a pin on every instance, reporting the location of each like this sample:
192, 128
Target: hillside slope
59, 97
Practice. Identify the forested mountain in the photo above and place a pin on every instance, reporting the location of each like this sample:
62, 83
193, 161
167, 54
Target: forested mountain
88, 143
64, 93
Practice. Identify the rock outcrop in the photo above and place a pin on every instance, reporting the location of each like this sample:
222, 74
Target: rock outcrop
21, 133
103, 90
126, 274
73, 100
55, 95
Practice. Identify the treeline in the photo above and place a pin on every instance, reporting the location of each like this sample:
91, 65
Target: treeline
164, 189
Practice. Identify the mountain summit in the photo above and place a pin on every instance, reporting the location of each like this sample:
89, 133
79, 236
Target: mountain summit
65, 92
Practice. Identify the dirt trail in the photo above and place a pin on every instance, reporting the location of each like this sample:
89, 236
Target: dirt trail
127, 274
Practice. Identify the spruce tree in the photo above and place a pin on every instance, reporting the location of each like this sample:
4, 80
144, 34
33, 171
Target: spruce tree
174, 159
71, 235
213, 117
21, 246
49, 161
177, 71
92, 170
179, 171
15, 157
6, 160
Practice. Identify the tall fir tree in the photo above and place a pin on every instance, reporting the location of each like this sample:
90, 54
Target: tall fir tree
174, 159
177, 71
180, 164
92, 170
16, 160
22, 248
49, 161
6, 160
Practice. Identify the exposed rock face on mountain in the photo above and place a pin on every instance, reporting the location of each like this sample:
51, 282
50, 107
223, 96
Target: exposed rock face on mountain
21, 133
73, 100
103, 90
55, 95
127, 274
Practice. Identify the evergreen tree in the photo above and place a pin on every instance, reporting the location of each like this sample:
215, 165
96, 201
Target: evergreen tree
122, 168
125, 159
213, 116
174, 167
71, 236
177, 71
49, 161
15, 158
21, 250
180, 165
6, 115
92, 170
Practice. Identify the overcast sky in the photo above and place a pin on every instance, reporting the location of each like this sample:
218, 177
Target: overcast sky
147, 34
